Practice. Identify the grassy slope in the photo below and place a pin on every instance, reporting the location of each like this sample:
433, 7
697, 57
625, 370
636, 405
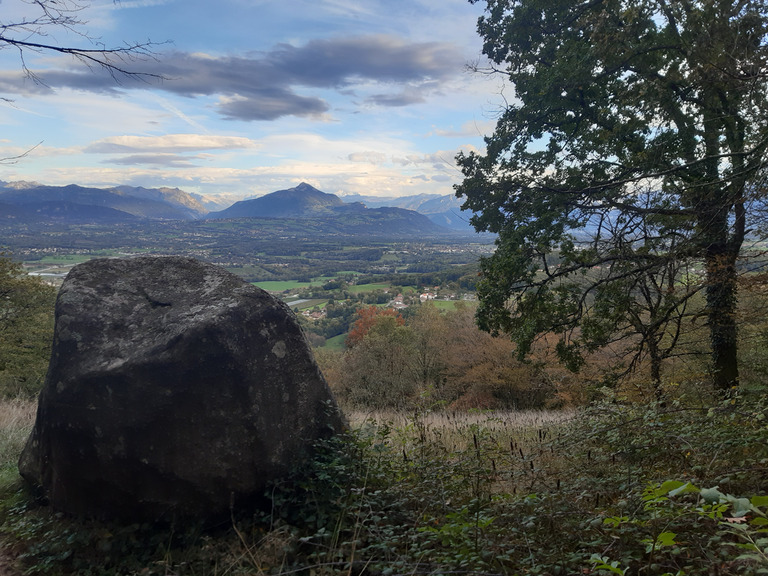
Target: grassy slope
466, 493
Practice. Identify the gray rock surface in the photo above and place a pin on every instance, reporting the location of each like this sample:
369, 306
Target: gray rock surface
174, 390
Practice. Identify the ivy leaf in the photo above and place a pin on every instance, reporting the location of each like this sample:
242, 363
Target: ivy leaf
669, 486
602, 563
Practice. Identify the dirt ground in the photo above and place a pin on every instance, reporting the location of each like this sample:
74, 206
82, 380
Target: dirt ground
7, 563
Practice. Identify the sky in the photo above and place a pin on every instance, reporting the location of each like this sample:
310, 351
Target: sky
245, 97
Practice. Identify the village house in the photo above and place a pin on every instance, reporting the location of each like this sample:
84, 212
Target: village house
397, 303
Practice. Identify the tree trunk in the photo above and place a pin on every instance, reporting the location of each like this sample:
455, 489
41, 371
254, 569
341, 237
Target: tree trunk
721, 314
722, 246
655, 366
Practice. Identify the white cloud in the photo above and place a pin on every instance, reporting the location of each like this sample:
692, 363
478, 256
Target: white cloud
440, 158
368, 157
472, 129
169, 143
353, 97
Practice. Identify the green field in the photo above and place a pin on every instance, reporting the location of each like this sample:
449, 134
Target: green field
368, 287
65, 258
307, 304
69, 260
64, 261
282, 285
336, 343
450, 304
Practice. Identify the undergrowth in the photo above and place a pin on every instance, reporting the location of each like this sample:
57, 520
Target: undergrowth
616, 489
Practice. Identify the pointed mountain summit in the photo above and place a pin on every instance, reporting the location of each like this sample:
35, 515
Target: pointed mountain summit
330, 213
303, 201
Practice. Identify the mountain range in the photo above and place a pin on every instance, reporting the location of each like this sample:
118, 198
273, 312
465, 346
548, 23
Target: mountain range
443, 210
73, 204
31, 201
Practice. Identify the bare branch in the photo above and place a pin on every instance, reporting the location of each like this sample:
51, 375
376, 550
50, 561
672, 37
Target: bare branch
28, 34
15, 159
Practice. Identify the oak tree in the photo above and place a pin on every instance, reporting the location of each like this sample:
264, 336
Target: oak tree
635, 140
366, 318
378, 369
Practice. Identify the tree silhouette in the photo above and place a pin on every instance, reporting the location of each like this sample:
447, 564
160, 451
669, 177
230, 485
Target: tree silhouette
30, 34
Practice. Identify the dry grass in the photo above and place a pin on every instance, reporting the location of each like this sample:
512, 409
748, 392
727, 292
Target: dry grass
516, 449
17, 413
499, 419
503, 425
17, 416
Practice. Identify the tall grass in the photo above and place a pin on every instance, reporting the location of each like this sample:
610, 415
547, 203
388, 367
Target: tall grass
511, 438
17, 417
444, 421
538, 492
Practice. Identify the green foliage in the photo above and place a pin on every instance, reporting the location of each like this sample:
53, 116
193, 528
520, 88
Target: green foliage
26, 329
56, 545
720, 524
591, 496
624, 165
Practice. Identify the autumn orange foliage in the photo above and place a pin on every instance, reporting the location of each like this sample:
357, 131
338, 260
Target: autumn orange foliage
366, 319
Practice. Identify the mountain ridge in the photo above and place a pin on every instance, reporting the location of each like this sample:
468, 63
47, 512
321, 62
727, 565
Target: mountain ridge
307, 202
150, 203
443, 210
423, 213
303, 200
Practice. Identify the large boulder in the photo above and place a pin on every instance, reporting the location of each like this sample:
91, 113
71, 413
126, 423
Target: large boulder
175, 389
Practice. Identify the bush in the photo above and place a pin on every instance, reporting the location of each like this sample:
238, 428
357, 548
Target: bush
26, 330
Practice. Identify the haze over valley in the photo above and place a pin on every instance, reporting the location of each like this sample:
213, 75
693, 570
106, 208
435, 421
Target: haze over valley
25, 202
295, 234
